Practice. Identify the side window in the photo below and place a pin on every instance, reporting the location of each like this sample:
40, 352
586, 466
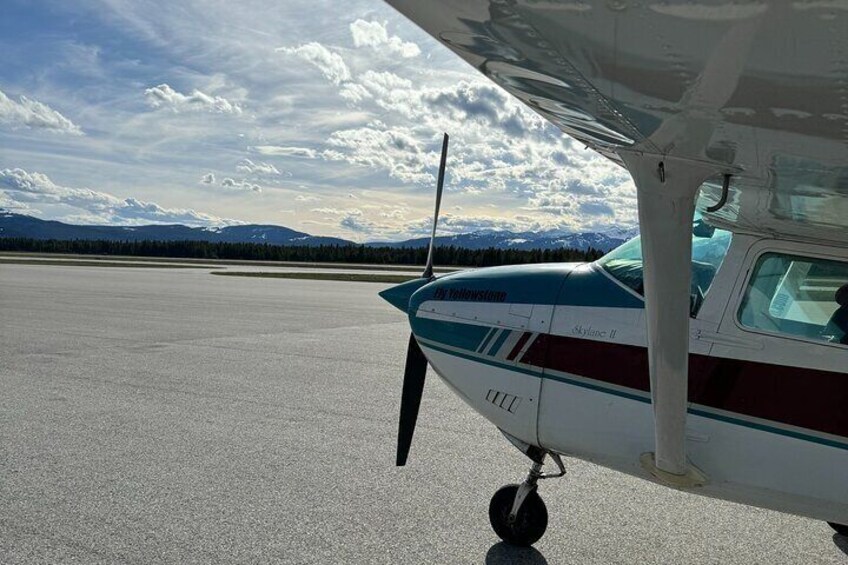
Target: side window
798, 296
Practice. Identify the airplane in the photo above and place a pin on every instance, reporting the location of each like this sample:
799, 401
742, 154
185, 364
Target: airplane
710, 354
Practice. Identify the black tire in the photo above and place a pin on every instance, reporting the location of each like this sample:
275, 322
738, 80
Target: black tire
841, 529
530, 523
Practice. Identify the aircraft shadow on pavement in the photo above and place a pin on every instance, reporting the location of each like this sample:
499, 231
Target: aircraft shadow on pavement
502, 553
839, 541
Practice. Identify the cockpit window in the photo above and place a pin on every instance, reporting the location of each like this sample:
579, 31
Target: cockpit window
709, 246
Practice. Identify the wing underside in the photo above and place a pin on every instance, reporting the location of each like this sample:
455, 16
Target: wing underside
756, 89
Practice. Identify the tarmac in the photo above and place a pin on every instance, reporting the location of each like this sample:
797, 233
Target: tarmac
170, 416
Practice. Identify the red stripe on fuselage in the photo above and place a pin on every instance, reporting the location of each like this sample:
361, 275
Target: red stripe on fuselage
806, 398
518, 345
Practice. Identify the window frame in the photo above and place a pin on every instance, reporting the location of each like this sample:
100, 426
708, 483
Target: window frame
757, 251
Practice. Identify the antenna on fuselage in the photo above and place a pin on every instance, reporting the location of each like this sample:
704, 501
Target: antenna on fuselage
428, 270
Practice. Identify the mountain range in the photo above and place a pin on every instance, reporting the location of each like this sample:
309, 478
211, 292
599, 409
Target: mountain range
19, 225
603, 241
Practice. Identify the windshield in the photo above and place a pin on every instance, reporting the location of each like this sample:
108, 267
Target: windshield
709, 246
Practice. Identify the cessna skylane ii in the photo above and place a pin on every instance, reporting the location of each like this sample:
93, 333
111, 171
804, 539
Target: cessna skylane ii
711, 353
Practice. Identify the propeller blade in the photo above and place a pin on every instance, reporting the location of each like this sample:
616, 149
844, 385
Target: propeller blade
413, 387
428, 270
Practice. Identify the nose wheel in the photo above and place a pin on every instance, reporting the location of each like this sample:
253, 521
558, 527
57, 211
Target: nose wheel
517, 512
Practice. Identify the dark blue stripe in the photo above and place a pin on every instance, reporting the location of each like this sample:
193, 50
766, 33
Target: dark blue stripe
463, 336
499, 342
488, 338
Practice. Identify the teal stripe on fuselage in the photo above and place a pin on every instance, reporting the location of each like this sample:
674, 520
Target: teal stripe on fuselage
463, 336
487, 339
499, 342
563, 284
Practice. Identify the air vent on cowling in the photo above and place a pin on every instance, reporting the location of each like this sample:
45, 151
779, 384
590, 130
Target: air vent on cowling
508, 402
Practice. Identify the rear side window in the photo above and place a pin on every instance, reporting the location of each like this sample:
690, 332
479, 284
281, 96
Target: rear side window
798, 296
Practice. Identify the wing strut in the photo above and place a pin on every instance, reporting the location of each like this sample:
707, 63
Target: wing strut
666, 191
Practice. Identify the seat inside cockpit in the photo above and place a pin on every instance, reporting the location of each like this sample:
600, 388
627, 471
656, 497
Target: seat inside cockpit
836, 329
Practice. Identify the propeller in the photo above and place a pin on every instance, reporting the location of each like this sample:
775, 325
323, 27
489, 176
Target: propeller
416, 362
410, 401
428, 270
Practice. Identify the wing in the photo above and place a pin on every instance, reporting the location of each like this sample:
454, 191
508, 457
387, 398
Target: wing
757, 89
682, 94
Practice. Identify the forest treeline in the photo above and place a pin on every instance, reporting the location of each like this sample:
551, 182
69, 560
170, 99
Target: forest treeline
445, 255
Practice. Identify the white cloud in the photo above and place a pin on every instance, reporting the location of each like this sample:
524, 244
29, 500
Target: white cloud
397, 151
374, 34
355, 223
233, 184
281, 151
499, 146
29, 113
257, 168
381, 84
331, 65
163, 96
363, 114
354, 92
208, 178
336, 211
37, 189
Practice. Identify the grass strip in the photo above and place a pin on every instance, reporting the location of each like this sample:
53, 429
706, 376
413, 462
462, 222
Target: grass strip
347, 277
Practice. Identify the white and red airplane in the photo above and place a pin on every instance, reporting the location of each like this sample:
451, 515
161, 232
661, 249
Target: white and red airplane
710, 354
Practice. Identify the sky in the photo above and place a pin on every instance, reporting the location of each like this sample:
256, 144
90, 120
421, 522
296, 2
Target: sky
324, 117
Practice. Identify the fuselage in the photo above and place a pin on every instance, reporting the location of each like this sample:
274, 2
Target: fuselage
555, 356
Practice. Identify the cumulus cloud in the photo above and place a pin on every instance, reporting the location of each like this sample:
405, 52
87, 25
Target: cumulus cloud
374, 34
257, 168
355, 223
208, 178
331, 64
27, 113
391, 225
233, 184
454, 224
335, 211
306, 198
382, 84
499, 146
397, 151
354, 92
163, 96
37, 188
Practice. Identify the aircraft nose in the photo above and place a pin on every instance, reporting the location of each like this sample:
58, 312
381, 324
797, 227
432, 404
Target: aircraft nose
399, 295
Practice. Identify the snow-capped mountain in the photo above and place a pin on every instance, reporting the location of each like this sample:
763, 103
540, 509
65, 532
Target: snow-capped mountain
18, 225
602, 241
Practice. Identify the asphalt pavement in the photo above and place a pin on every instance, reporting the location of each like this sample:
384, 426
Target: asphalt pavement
170, 416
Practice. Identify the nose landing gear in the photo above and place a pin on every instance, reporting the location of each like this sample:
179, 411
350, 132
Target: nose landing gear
517, 512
